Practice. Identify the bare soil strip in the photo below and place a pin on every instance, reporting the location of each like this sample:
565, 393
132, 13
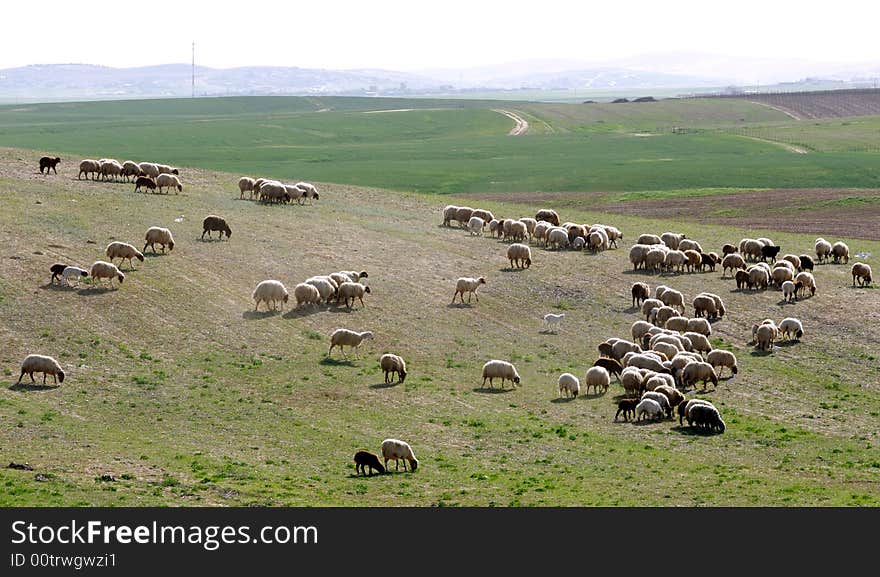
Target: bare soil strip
521, 127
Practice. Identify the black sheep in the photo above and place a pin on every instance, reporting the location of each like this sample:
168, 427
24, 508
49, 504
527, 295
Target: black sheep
704, 416
364, 459
769, 251
613, 366
806, 262
48, 162
708, 260
144, 181
56, 270
627, 407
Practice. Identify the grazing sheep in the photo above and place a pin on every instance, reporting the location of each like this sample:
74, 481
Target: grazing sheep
463, 215
73, 272
673, 395
704, 304
270, 291
655, 260
530, 223
597, 376
649, 408
246, 184
728, 248
759, 277
705, 416
145, 182
48, 162
149, 169
518, 231
699, 325
632, 380
364, 459
101, 270
685, 407
621, 347
486, 215
671, 239
806, 262
87, 167
110, 167
794, 259
710, 260
627, 407
552, 321
130, 169
393, 364
158, 235
640, 292
722, 358
649, 239
520, 255
165, 180
212, 222
732, 261
325, 285
840, 251
861, 272
475, 225
346, 338
673, 298
467, 285
694, 260
305, 293
578, 243
56, 270
698, 371
569, 385
123, 251
660, 315
781, 274
689, 244
676, 324
645, 361
791, 327
699, 342
764, 335
823, 249
547, 215
807, 281
750, 248
611, 366
639, 329
769, 251
165, 169
354, 275
311, 192
648, 306
500, 369
399, 450
352, 290
41, 364
661, 399
557, 238
789, 291
449, 213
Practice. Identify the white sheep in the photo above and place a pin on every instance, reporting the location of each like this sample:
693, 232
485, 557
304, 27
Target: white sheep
352, 290
840, 251
650, 408
672, 298
246, 184
597, 377
398, 450
791, 328
167, 169
732, 261
270, 291
557, 237
123, 251
325, 285
806, 280
305, 293
449, 212
495, 369
158, 235
578, 243
101, 270
475, 225
661, 399
89, 166
552, 321
520, 255
698, 371
73, 272
789, 291
722, 358
518, 230
823, 249
130, 168
671, 239
346, 338
390, 363
467, 285
165, 180
689, 244
637, 255
764, 335
569, 385
649, 239
41, 364
149, 169
110, 167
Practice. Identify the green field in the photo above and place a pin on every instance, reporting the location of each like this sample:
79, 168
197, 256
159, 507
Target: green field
443, 146
177, 393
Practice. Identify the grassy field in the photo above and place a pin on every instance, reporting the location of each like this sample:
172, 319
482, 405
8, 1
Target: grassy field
450, 147
178, 393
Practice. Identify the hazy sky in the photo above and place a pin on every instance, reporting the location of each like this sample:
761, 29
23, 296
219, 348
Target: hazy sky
412, 35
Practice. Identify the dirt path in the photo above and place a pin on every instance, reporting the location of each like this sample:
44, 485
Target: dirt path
786, 146
779, 108
522, 126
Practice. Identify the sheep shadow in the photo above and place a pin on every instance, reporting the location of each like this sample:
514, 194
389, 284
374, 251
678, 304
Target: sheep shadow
760, 353
331, 362
562, 400
590, 396
491, 390
785, 302
154, 254
34, 387
252, 315
645, 422
694, 431
300, 312
548, 332
209, 239
512, 269
342, 309
459, 305
56, 286
96, 290
384, 385
786, 344
368, 476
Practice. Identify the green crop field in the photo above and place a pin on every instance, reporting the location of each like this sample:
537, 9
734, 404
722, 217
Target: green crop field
178, 393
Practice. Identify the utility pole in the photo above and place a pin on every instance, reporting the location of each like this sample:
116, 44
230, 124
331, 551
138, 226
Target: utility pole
194, 70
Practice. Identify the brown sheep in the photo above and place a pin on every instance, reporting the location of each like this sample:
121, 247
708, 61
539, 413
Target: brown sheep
364, 459
613, 366
640, 292
215, 223
547, 215
48, 162
627, 407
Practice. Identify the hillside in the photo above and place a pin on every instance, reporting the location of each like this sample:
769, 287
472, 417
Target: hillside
178, 393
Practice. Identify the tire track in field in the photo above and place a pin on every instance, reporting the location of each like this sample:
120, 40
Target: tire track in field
522, 125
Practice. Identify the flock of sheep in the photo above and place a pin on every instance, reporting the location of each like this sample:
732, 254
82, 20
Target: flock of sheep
670, 352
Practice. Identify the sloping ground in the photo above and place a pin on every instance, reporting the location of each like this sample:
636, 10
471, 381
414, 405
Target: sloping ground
178, 393
823, 104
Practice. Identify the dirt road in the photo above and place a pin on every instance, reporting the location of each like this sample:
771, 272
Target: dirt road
521, 127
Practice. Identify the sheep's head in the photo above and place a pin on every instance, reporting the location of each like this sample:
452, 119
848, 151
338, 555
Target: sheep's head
140, 256
482, 280
402, 374
60, 376
367, 290
84, 273
228, 231
121, 277
285, 297
414, 464
170, 245
528, 262
175, 171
